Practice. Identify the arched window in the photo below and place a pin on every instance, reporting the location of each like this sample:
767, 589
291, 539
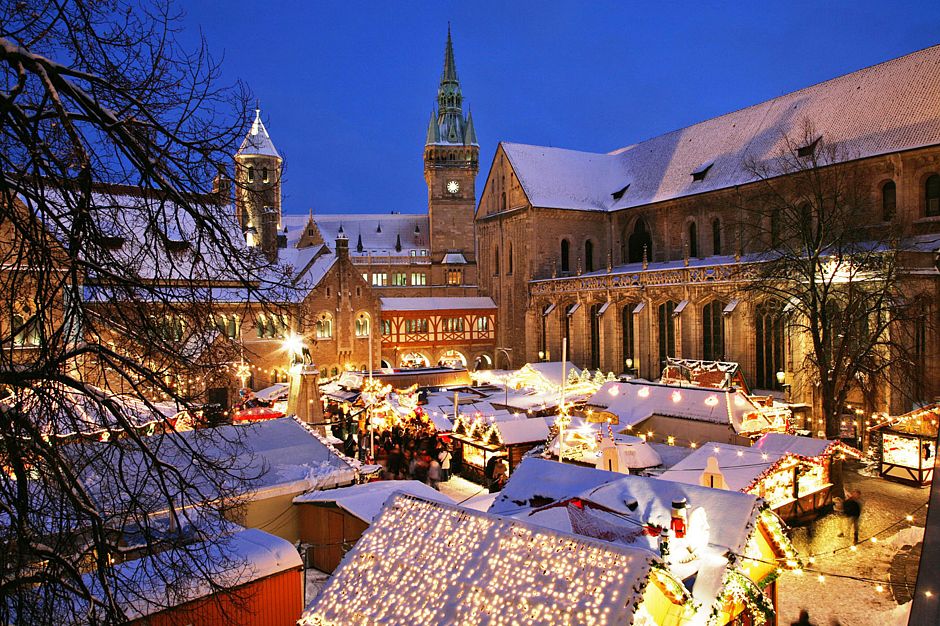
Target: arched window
713, 331
588, 256
324, 326
565, 253
775, 227
626, 319
768, 327
596, 336
637, 241
716, 236
264, 174
509, 260
693, 239
932, 194
889, 200
667, 331
251, 174
496, 261
362, 325
228, 325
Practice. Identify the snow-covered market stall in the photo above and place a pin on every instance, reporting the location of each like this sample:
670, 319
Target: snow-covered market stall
684, 415
541, 387
795, 475
483, 442
595, 444
907, 445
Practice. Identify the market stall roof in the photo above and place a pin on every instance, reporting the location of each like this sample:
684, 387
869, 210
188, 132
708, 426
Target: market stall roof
636, 452
739, 465
366, 501
274, 393
429, 563
921, 421
229, 561
536, 482
516, 431
806, 447
62, 411
634, 402
550, 371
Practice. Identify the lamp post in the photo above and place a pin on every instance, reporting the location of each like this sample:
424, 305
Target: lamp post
508, 356
782, 381
364, 319
628, 366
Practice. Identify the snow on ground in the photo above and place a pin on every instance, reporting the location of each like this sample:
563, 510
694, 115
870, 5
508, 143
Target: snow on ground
314, 582
893, 558
460, 489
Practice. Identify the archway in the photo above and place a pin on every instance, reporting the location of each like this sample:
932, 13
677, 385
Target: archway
483, 362
452, 358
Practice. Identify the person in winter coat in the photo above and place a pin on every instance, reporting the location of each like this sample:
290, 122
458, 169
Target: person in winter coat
434, 473
444, 458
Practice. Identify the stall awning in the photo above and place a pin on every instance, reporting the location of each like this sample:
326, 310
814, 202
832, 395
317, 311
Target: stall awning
680, 308
572, 308
548, 309
730, 307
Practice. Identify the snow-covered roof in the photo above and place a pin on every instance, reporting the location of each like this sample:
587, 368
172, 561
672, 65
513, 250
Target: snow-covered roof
739, 465
257, 141
379, 233
454, 258
635, 401
515, 431
633, 452
881, 109
57, 410
801, 446
366, 501
428, 563
437, 303
553, 372
538, 481
231, 561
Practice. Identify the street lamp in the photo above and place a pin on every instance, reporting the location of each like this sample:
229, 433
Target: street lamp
781, 380
628, 366
364, 319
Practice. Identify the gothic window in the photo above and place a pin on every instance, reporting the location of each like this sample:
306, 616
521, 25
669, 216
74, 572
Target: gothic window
588, 256
667, 331
251, 174
637, 241
565, 253
400, 279
889, 200
228, 325
768, 330
454, 277
496, 261
932, 194
713, 331
362, 325
323, 329
716, 236
627, 335
509, 260
693, 239
596, 336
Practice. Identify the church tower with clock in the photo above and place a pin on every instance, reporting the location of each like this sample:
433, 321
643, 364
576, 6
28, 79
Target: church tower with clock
451, 163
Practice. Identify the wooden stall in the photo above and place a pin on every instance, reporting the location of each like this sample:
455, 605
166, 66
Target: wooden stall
907, 446
480, 441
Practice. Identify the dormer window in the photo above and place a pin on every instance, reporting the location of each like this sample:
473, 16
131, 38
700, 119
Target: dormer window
701, 172
617, 195
808, 150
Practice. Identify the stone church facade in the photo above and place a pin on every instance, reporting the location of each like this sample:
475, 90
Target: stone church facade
642, 254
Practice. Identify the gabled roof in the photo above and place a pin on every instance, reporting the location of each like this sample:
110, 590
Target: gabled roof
257, 141
365, 501
379, 233
429, 563
889, 107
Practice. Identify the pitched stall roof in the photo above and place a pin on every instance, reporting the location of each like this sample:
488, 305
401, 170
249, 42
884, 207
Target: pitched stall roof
881, 109
365, 501
429, 563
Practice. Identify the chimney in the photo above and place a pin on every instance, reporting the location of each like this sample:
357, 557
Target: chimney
342, 247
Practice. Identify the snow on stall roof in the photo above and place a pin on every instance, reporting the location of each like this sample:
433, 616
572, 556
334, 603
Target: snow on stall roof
231, 561
429, 563
366, 501
739, 465
538, 481
437, 303
515, 431
636, 401
277, 391
880, 109
550, 371
794, 444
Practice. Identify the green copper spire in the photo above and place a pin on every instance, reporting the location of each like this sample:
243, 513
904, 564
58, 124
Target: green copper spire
450, 127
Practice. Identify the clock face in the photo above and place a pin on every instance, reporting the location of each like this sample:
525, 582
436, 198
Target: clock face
453, 186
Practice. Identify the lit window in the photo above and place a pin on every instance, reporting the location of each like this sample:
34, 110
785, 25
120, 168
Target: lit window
454, 277
324, 326
380, 279
386, 327
419, 279
399, 279
483, 324
362, 325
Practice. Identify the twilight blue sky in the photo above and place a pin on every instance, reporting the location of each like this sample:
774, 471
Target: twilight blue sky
346, 88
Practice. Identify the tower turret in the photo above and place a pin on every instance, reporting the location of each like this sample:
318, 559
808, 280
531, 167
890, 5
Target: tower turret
258, 168
451, 163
